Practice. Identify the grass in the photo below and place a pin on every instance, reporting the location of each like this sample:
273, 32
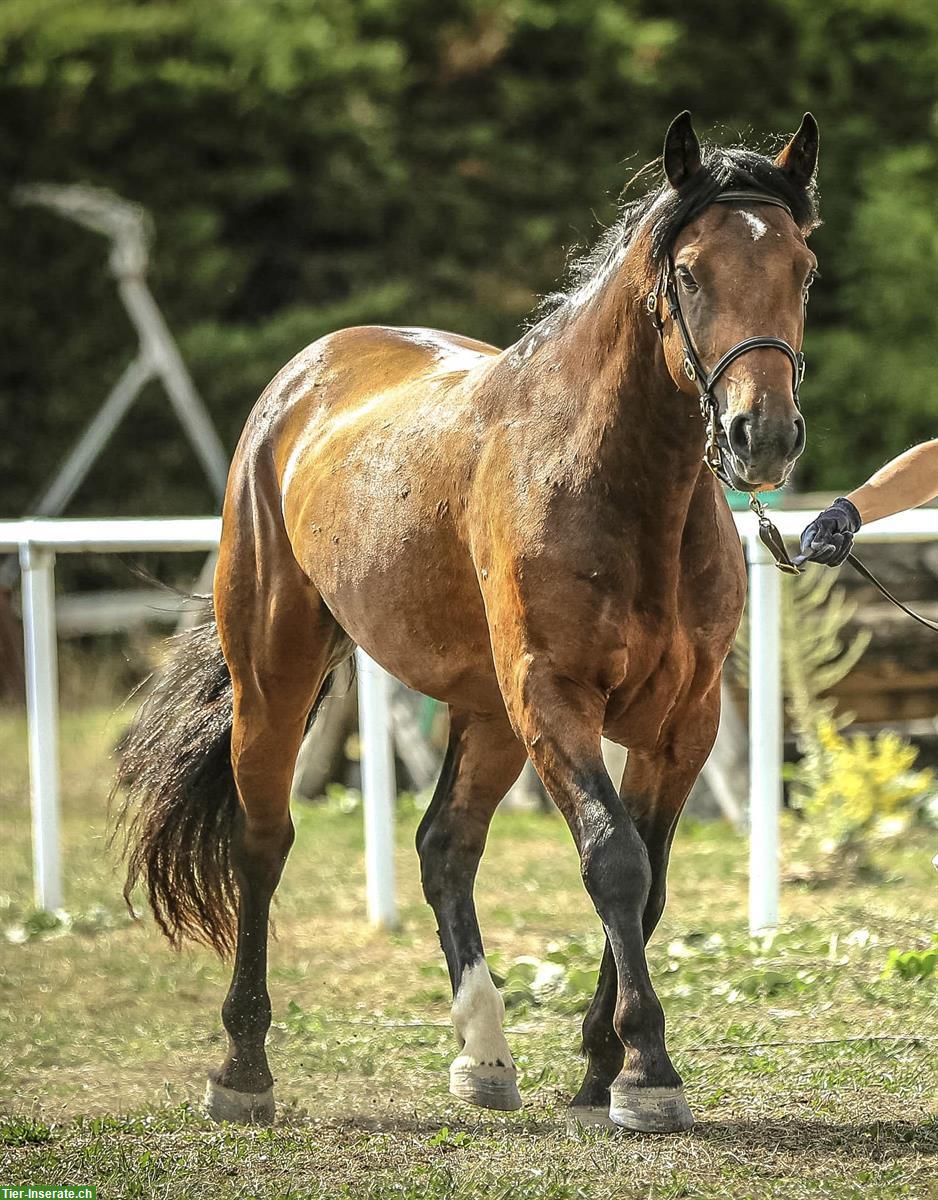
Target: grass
811, 1074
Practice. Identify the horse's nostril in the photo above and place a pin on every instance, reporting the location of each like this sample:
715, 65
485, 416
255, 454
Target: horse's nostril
799, 437
739, 436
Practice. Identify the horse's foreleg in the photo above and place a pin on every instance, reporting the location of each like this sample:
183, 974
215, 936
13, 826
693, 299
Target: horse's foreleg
654, 789
561, 722
483, 760
603, 1048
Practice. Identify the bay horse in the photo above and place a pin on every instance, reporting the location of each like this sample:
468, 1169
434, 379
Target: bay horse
532, 537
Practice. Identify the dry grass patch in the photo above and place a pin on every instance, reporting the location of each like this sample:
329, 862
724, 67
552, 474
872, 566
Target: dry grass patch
810, 1073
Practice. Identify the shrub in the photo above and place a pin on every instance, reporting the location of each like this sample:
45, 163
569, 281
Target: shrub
854, 788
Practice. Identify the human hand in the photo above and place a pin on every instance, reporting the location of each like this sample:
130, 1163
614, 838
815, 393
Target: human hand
829, 537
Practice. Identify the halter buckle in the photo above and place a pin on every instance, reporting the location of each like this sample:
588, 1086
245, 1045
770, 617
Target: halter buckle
651, 307
689, 369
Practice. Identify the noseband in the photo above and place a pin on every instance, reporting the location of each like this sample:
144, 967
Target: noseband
693, 367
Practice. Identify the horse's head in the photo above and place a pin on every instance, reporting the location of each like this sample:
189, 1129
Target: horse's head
738, 269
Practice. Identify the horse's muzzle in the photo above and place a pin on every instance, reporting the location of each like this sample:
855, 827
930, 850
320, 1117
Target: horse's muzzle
763, 450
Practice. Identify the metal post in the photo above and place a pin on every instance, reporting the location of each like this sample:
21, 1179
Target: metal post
162, 351
129, 228
378, 790
765, 735
42, 708
86, 450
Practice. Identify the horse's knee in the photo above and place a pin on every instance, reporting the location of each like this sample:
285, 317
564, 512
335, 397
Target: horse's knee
446, 861
449, 852
615, 868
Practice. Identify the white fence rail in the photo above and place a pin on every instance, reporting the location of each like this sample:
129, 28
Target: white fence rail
38, 541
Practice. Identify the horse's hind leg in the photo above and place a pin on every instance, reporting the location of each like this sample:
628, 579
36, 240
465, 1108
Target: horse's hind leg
483, 760
280, 643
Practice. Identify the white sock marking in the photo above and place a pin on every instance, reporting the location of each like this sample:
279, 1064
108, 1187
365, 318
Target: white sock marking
477, 1018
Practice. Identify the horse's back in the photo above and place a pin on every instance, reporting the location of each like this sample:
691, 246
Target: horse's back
365, 360
348, 380
358, 394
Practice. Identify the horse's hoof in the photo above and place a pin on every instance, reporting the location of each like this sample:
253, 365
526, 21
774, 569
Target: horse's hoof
486, 1087
650, 1109
241, 1108
593, 1116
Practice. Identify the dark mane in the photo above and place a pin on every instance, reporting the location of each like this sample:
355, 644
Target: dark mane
723, 169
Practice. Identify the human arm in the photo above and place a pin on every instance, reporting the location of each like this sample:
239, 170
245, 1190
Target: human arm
905, 482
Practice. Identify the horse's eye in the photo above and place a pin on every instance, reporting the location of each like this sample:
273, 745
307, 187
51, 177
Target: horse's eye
812, 275
687, 281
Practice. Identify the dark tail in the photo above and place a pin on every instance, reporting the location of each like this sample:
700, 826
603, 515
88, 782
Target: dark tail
180, 805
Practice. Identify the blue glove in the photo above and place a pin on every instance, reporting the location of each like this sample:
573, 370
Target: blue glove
829, 537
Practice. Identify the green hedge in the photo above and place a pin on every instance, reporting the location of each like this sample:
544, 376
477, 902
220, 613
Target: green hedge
317, 163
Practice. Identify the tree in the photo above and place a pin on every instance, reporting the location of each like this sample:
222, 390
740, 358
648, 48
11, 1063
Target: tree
312, 166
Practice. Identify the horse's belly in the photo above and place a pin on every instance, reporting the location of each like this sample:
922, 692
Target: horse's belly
405, 590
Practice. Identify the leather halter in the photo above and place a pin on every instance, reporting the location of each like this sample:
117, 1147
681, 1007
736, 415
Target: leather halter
705, 380
694, 369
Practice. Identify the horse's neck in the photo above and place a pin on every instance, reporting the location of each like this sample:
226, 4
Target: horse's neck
630, 426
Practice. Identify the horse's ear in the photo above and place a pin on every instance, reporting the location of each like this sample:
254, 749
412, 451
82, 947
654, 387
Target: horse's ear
681, 150
799, 158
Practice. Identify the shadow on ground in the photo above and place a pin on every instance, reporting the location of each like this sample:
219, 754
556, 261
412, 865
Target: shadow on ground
875, 1139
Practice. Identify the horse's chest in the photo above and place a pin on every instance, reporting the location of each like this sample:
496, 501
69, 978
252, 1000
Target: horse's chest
655, 670
666, 664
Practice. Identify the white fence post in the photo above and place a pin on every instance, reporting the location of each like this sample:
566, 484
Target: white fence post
38, 539
378, 790
765, 735
42, 708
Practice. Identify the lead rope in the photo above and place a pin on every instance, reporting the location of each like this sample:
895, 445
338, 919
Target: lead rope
770, 537
773, 541
867, 574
